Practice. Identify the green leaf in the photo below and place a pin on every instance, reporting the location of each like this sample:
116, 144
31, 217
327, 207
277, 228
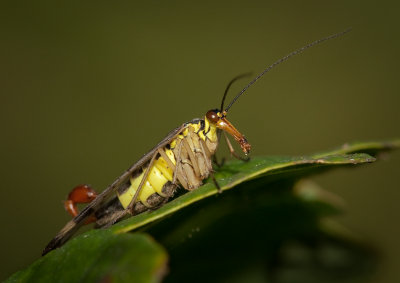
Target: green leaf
268, 168
261, 230
100, 256
268, 217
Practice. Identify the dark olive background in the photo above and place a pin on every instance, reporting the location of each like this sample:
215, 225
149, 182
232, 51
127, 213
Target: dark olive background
87, 88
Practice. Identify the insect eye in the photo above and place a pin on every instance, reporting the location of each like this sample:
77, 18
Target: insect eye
212, 116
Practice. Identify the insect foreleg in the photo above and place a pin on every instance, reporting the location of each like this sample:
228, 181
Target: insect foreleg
218, 163
232, 150
215, 159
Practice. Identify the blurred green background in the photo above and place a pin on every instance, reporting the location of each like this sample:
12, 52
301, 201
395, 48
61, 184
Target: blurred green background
88, 88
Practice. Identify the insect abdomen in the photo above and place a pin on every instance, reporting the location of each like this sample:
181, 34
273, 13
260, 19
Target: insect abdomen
160, 174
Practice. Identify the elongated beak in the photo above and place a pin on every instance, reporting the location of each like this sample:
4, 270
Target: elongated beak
226, 126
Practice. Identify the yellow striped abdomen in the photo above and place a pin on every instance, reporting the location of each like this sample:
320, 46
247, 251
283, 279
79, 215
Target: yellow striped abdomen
159, 175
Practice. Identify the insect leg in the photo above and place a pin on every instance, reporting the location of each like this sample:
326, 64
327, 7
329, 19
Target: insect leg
80, 194
131, 205
192, 158
178, 169
178, 161
216, 183
217, 162
215, 159
232, 150
207, 155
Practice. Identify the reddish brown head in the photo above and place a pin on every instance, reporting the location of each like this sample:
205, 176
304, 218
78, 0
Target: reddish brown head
218, 119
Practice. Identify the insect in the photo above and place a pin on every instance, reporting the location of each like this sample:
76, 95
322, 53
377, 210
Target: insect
183, 158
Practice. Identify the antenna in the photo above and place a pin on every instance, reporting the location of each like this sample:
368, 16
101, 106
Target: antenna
229, 85
283, 59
